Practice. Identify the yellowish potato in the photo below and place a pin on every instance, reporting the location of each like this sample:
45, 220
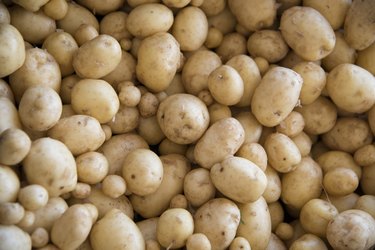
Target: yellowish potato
255, 153
11, 213
292, 125
303, 143
273, 189
340, 181
308, 242
12, 237
366, 203
233, 44
149, 129
365, 59
14, 146
9, 184
368, 177
198, 241
198, 187
101, 7
56, 9
33, 197
276, 213
365, 155
148, 228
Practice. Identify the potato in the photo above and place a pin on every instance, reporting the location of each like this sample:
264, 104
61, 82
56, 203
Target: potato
276, 213
33, 26
255, 14
62, 46
102, 8
92, 167
214, 38
166, 146
302, 184
116, 230
218, 111
365, 59
255, 224
308, 242
47, 154
273, 189
4, 14
148, 19
222, 213
268, 44
198, 187
56, 9
367, 180
12, 238
351, 229
233, 44
80, 133
340, 181
280, 85
198, 241
239, 179
309, 44
292, 125
150, 131
183, 118
129, 96
6, 91
175, 167
183, 226
72, 228
284, 231
11, 213
319, 116
85, 33
342, 203
40, 237
255, 153
126, 120
275, 243
39, 69
9, 184
364, 156
75, 17
14, 146
45, 106
303, 143
9, 115
12, 49
81, 191
366, 203
114, 24
348, 134
298, 231
158, 61
358, 81
33, 197
359, 28
222, 139
224, 21
148, 228
96, 98
197, 69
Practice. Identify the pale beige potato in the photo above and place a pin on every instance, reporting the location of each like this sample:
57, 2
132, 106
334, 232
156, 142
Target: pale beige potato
214, 38
365, 155
340, 181
116, 230
367, 181
40, 108
222, 213
268, 44
67, 84
310, 44
359, 26
298, 232
124, 71
9, 115
351, 229
95, 98
262, 65
277, 214
366, 57
225, 21
4, 14
143, 172
183, 226
175, 167
81, 191
85, 33
115, 25
148, 228
40, 237
27, 220
33, 26
56, 9
302, 184
125, 120
198, 187
46, 154
33, 197
62, 46
218, 111
92, 167
276, 96
292, 125
31, 5
255, 153
11, 213
6, 91
239, 243
348, 134
254, 14
100, 7
12, 237
222, 139
226, 85
149, 129
357, 95
282, 153
148, 19
75, 17
342, 203
303, 143
255, 225
366, 203
239, 179
179, 201
197, 69
333, 11
284, 231
12, 52
176, 3
275, 243
198, 241
158, 61
14, 146
148, 105
39, 69
273, 189
129, 96
67, 111
9, 184
80, 133
72, 228
308, 242
213, 7
314, 81
233, 44
320, 116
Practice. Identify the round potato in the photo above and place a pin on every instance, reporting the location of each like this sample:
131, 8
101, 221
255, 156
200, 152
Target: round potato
12, 238
233, 44
255, 153
14, 146
198, 241
308, 242
198, 187
56, 9
149, 130
33, 197
4, 14
340, 181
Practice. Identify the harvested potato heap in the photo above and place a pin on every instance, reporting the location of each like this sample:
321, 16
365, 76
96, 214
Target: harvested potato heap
187, 124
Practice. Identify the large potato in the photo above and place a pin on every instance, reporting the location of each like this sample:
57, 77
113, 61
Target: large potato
12, 52
276, 96
239, 179
158, 61
13, 238
218, 219
310, 44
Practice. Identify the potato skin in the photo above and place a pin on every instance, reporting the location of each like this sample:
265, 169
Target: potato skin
12, 238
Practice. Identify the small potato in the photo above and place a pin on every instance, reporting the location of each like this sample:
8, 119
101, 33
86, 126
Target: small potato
96, 98
273, 189
51, 165
282, 152
92, 167
226, 85
39, 237
126, 120
275, 243
31, 6
225, 21
11, 213
12, 51
255, 153
148, 19
123, 232
280, 85
218, 111
4, 14
85, 33
366, 203
366, 57
124, 71
342, 203
166, 146
158, 61
233, 44
222, 139
148, 228
12, 238
97, 57
239, 243
9, 184
239, 179
179, 201
33, 197
56, 9
198, 241
340, 181
9, 115
310, 44
115, 25
183, 226
27, 220
303, 143
276, 213
292, 125
40, 108
351, 229
14, 146
148, 105
268, 44
214, 38
336, 159
143, 171
367, 180
150, 131
284, 231
308, 242
198, 187
358, 81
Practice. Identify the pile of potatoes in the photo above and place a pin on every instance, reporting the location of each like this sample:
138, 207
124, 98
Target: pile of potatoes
187, 124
